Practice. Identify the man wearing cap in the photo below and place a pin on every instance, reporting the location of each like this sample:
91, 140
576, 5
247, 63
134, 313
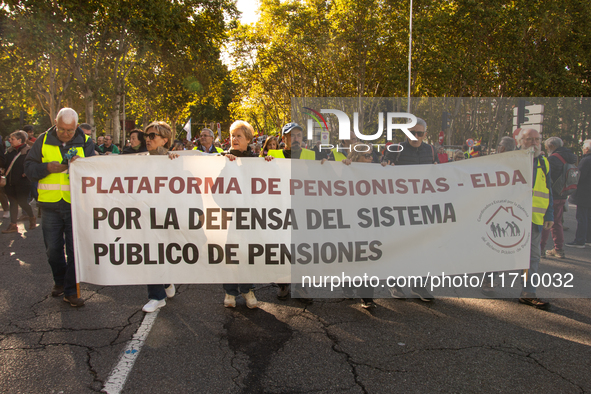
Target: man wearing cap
292, 136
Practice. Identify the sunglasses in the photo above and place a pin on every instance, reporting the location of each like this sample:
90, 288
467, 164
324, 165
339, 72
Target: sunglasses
366, 156
152, 135
418, 133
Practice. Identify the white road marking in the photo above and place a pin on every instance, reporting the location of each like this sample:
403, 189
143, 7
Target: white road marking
119, 374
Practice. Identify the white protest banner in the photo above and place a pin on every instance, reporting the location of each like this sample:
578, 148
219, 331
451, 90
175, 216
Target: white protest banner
196, 219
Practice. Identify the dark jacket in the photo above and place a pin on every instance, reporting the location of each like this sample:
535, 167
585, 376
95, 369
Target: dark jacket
556, 165
582, 196
424, 154
129, 150
36, 169
239, 153
102, 149
15, 177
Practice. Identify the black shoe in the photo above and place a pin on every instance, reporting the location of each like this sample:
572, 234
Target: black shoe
283, 292
397, 292
422, 293
535, 302
74, 301
574, 245
368, 303
57, 291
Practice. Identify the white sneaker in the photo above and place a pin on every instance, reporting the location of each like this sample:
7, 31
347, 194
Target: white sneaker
251, 300
153, 305
170, 291
230, 301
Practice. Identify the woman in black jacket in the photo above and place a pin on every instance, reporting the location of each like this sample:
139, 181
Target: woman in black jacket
18, 185
241, 134
137, 142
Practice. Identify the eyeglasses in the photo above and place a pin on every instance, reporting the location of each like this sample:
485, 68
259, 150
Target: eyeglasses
418, 133
205, 135
152, 135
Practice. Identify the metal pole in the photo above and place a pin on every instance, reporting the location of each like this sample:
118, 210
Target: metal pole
409, 55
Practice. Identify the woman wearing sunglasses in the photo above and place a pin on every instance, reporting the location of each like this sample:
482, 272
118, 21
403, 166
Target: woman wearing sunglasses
158, 139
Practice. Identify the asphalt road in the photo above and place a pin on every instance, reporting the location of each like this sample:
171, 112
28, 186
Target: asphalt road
332, 346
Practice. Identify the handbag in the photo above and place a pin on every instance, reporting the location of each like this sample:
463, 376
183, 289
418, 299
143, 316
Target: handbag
3, 178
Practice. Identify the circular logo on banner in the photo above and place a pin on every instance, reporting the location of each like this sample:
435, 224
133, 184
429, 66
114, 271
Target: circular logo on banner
505, 225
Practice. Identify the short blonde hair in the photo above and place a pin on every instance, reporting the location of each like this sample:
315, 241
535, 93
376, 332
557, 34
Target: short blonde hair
164, 129
245, 127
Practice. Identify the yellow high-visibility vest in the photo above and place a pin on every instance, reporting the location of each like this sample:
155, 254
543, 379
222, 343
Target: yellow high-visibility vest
541, 194
218, 150
56, 186
338, 156
306, 154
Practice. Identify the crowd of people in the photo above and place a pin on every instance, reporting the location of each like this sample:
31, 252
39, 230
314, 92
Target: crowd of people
36, 168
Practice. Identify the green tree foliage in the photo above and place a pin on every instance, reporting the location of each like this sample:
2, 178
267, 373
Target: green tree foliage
89, 55
461, 48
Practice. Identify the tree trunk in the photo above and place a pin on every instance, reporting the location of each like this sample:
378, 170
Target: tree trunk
116, 130
89, 100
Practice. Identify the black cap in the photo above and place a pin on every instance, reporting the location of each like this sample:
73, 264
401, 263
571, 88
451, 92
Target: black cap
289, 127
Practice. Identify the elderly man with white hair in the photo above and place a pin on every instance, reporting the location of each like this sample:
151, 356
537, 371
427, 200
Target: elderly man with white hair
47, 162
542, 213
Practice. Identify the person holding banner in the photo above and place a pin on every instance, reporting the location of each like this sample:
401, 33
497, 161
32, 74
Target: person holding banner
270, 144
366, 292
47, 162
414, 152
158, 139
241, 134
542, 214
292, 135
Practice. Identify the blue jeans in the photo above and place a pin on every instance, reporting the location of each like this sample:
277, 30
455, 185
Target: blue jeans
57, 233
534, 259
583, 225
157, 292
235, 289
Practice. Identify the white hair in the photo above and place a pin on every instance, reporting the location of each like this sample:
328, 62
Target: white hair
587, 144
521, 135
421, 122
67, 115
554, 142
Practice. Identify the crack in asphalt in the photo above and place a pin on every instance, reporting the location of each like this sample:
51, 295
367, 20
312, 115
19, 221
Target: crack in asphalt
336, 348
95, 378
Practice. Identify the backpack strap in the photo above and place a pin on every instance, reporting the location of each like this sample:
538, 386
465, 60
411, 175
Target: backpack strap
559, 157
